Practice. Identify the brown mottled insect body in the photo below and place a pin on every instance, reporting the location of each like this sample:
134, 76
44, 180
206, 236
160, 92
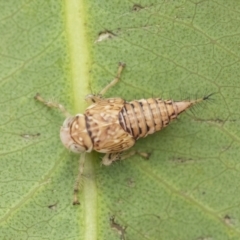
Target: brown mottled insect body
104, 126
146, 116
112, 125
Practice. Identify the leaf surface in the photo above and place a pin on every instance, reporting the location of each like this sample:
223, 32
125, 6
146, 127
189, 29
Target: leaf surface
172, 49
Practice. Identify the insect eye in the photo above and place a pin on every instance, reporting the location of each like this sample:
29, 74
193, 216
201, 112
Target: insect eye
76, 148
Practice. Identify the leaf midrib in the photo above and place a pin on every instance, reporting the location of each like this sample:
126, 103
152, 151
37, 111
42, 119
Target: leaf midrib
75, 18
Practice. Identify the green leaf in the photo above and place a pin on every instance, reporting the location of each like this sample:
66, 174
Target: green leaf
172, 49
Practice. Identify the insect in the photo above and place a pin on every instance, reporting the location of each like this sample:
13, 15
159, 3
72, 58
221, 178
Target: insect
113, 125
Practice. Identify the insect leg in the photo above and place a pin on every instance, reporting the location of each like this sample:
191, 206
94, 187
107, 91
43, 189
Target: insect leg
115, 80
52, 104
134, 152
78, 180
109, 158
92, 98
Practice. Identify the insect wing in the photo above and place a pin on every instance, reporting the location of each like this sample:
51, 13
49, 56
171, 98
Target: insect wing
104, 127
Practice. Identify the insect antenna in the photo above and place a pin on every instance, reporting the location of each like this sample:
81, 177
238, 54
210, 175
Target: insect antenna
209, 97
204, 100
